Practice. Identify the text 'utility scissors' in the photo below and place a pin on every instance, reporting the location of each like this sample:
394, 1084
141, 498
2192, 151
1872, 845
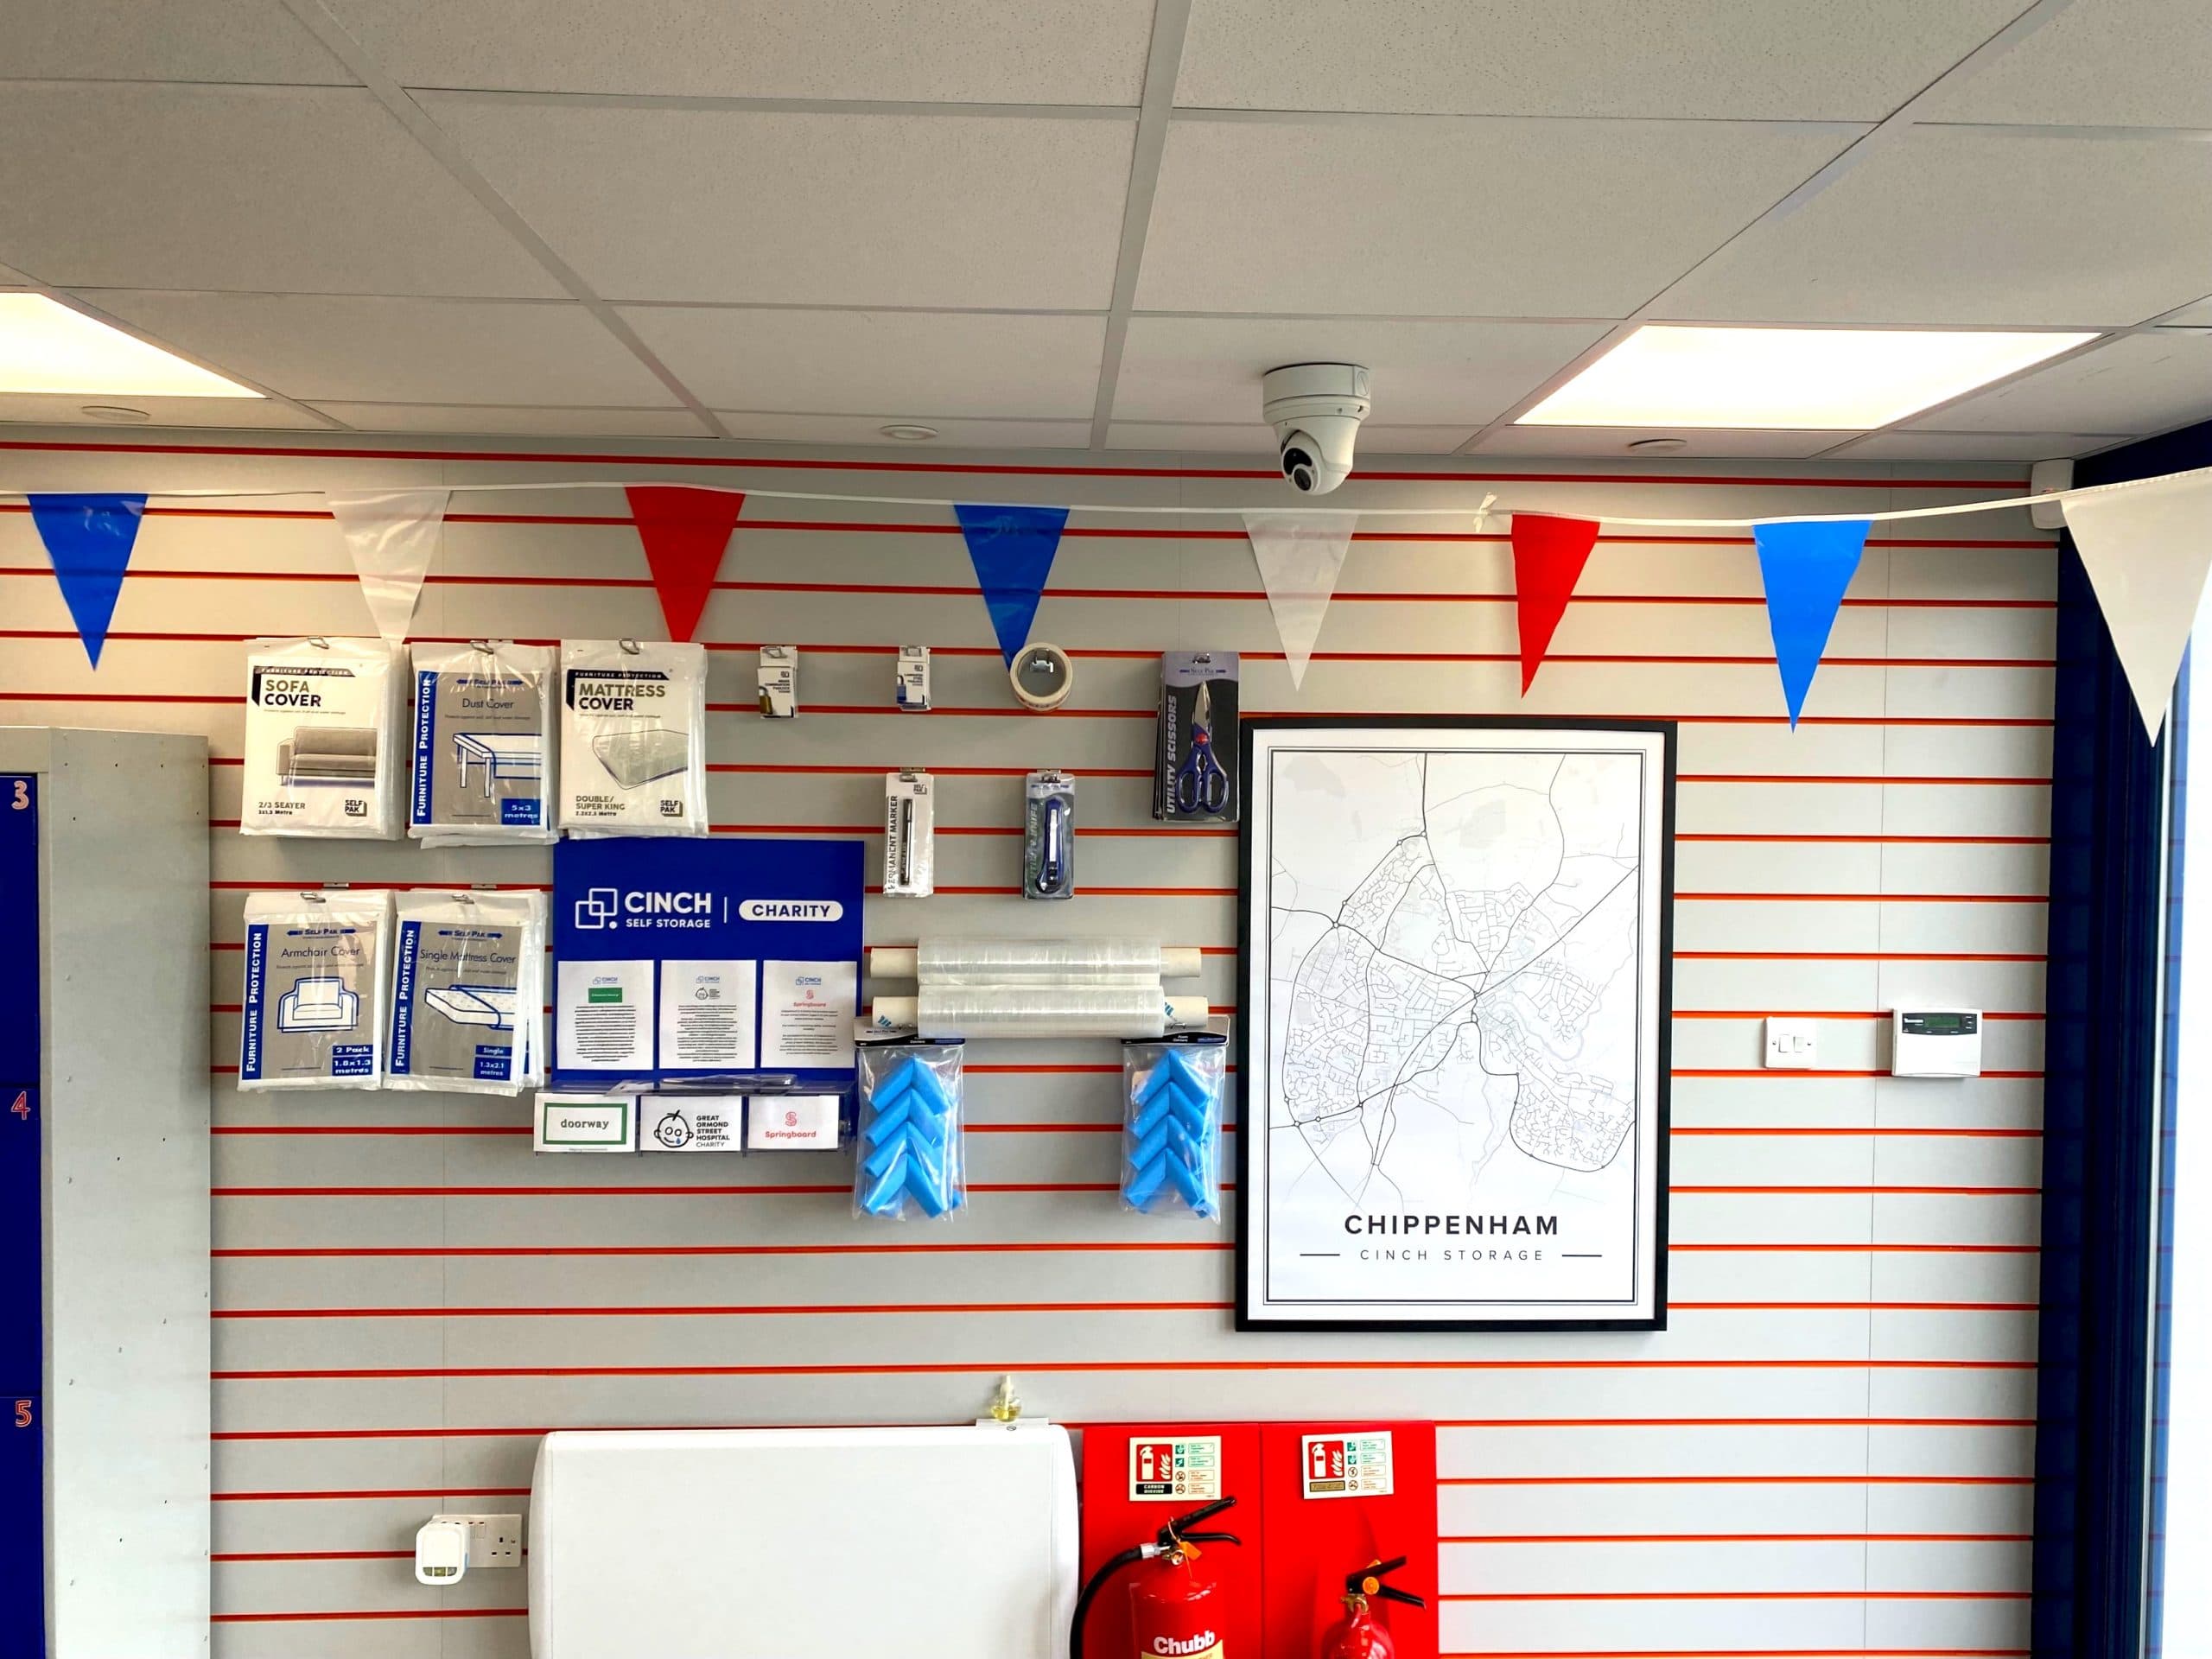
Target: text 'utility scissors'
1200, 784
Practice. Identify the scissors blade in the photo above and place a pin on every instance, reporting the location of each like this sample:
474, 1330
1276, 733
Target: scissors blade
1202, 711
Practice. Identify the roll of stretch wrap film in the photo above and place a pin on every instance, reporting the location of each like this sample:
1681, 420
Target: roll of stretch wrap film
1033, 1011
1058, 962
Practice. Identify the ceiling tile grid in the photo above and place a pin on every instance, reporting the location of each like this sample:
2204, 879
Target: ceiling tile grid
752, 220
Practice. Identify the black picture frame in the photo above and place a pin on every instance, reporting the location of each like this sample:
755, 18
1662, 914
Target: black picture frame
1252, 1115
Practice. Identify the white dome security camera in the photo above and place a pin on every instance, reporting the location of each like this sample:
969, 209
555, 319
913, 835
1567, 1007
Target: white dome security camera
1315, 409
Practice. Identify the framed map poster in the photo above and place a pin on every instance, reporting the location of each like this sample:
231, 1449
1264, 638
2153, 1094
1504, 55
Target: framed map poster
1456, 939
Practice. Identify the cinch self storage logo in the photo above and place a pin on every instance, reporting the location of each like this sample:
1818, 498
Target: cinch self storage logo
606, 907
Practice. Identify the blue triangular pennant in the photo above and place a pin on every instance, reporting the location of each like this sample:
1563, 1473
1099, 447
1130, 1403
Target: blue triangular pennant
89, 538
1806, 567
1011, 549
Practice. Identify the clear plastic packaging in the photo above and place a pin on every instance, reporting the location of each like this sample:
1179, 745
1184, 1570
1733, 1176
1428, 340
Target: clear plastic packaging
1171, 1136
1059, 961
1032, 1010
483, 745
633, 738
1048, 836
908, 1160
468, 993
315, 976
322, 738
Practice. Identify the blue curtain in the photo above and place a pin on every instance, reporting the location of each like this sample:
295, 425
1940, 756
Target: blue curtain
2102, 1117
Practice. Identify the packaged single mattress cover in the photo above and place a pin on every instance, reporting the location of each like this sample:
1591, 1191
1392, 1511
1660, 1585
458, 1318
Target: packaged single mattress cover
633, 728
321, 738
483, 748
469, 991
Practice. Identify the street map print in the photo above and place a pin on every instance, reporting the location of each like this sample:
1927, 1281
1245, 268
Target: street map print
1455, 968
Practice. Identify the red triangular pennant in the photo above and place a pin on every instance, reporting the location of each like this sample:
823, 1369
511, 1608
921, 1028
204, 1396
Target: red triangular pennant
684, 531
1548, 558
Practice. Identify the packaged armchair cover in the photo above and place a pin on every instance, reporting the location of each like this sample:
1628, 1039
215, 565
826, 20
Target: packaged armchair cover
468, 993
483, 748
321, 738
634, 727
315, 990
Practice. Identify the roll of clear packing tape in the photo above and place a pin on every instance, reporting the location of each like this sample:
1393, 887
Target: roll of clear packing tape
1029, 1012
1072, 961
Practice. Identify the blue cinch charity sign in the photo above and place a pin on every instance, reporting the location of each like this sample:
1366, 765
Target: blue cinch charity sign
678, 958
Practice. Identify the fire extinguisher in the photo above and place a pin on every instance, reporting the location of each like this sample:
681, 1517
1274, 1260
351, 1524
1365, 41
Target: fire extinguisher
1362, 1634
1175, 1610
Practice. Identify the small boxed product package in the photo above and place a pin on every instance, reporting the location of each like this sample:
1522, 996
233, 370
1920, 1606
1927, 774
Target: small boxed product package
633, 730
691, 1123
568, 1122
1194, 773
315, 972
468, 993
778, 682
483, 743
322, 738
911, 692
909, 834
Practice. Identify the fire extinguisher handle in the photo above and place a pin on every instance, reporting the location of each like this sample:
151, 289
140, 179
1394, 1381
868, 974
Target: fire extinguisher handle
1211, 1538
1180, 1526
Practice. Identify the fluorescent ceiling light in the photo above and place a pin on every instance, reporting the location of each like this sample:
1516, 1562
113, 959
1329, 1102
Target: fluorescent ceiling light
1808, 380
46, 347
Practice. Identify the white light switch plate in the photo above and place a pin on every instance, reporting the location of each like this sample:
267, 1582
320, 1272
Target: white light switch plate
1792, 1045
493, 1539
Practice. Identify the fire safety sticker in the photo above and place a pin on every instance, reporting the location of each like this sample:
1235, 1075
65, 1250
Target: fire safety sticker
1171, 1471
1347, 1466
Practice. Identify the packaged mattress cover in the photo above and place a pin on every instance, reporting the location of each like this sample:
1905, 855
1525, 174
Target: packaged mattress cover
321, 743
315, 966
634, 727
469, 991
483, 743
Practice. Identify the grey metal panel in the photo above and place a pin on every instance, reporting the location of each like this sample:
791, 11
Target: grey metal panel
125, 1104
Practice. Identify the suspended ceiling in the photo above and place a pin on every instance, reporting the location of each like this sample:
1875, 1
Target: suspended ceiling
1072, 224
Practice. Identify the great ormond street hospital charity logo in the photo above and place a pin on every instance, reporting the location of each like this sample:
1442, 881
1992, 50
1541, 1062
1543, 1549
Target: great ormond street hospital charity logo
598, 908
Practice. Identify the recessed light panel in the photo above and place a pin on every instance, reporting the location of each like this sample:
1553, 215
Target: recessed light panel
46, 347
1811, 379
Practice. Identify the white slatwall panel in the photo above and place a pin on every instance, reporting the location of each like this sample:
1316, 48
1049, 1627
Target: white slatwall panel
1829, 1449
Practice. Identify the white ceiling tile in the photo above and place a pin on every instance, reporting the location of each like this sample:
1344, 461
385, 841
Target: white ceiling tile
858, 362
145, 40
1837, 60
953, 432
527, 420
1946, 225
2135, 63
1975, 446
305, 190
1614, 441
1451, 217
2136, 384
1258, 439
316, 346
2197, 315
971, 51
1425, 374
49, 409
810, 209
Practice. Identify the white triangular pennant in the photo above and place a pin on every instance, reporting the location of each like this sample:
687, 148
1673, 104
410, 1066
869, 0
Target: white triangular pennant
393, 534
1299, 555
2147, 547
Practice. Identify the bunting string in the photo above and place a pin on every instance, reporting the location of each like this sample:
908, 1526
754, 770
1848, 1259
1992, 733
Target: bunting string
1888, 515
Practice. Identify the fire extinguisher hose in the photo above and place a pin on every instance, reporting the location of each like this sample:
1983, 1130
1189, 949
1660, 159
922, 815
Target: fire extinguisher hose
1163, 1541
